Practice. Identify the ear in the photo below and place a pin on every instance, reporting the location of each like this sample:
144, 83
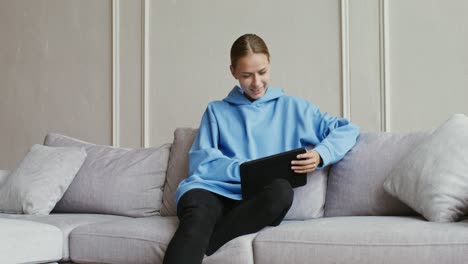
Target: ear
233, 72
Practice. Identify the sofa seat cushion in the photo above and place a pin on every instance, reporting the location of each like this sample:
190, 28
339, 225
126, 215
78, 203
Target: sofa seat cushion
144, 240
29, 242
368, 239
66, 223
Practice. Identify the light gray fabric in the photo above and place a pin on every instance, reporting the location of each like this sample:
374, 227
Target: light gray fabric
66, 223
143, 240
355, 184
116, 181
236, 251
40, 179
29, 242
433, 177
362, 240
309, 199
177, 169
140, 240
3, 176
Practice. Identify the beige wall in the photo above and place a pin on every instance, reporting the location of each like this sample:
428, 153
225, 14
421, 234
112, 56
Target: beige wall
54, 73
129, 23
389, 65
365, 64
428, 68
189, 55
56, 62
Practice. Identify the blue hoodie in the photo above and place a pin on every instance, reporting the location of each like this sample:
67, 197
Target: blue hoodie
236, 130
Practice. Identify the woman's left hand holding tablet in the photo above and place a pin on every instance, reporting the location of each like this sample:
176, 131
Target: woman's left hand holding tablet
306, 162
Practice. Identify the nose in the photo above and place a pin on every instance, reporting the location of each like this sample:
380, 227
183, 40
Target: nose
256, 81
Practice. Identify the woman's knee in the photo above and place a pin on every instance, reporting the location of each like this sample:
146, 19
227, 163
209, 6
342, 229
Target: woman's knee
281, 196
198, 212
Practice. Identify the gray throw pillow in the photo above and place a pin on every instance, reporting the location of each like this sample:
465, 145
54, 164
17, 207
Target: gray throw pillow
433, 177
118, 181
308, 200
40, 179
4, 175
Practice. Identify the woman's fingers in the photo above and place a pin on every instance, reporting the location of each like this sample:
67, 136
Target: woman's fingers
304, 162
304, 168
308, 162
305, 171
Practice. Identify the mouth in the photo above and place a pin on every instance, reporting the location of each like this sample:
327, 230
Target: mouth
256, 92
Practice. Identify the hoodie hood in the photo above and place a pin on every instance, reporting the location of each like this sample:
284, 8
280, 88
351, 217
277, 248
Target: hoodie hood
237, 97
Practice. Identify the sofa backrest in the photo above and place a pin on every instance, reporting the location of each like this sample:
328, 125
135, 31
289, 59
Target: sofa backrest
177, 167
119, 181
355, 184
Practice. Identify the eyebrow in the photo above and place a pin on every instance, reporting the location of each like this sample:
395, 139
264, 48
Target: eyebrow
264, 69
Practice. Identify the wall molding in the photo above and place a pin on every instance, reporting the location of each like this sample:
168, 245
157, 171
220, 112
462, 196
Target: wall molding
345, 66
384, 66
115, 73
145, 74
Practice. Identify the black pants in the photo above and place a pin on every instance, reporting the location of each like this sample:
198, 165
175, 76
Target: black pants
208, 220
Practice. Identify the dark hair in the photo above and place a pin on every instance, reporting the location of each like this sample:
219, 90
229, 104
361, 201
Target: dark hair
245, 44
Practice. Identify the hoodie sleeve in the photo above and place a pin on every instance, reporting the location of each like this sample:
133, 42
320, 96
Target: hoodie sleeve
336, 135
205, 159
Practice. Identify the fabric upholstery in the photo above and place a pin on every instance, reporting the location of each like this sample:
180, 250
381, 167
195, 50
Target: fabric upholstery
118, 181
29, 242
40, 179
65, 222
3, 176
143, 240
363, 240
177, 169
433, 177
309, 200
355, 184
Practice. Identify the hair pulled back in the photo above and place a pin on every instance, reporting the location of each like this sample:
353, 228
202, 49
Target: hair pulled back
246, 44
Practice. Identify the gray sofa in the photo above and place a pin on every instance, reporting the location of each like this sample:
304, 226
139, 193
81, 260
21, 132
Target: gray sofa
356, 221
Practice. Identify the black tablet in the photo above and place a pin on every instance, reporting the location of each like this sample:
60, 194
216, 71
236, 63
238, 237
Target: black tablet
256, 174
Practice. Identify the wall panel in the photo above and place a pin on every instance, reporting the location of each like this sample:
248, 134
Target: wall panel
365, 64
428, 54
189, 54
55, 73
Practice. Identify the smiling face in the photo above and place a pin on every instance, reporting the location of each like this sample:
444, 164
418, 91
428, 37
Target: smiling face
253, 73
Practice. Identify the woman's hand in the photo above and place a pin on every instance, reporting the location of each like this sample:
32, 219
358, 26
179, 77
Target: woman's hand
309, 162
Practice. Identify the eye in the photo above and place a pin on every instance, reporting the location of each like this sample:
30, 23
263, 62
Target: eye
262, 73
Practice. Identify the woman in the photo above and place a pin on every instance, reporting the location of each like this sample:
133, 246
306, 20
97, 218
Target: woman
253, 121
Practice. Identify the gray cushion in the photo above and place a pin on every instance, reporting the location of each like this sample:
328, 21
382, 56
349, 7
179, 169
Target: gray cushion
40, 180
29, 242
236, 251
433, 177
118, 181
362, 240
177, 169
355, 184
4, 175
143, 240
309, 199
66, 223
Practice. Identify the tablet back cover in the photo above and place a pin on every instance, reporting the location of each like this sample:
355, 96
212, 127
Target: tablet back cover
256, 174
